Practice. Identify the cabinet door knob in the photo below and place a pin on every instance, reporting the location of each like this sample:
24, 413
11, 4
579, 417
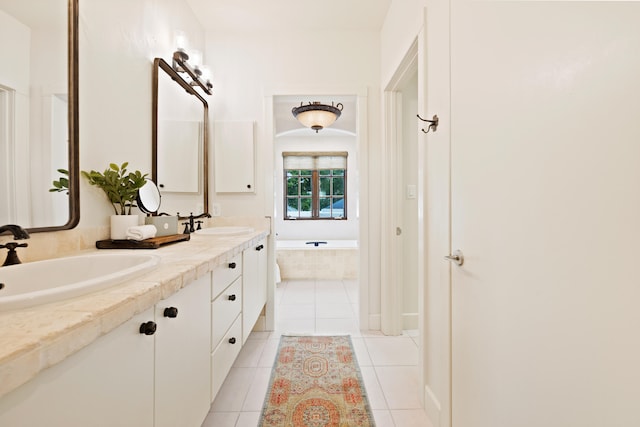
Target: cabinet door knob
232, 297
232, 340
171, 312
259, 247
248, 185
148, 328
232, 265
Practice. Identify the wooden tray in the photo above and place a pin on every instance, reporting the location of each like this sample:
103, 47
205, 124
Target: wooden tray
152, 243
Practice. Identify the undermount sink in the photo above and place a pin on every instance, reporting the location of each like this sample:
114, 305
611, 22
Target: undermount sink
40, 282
225, 231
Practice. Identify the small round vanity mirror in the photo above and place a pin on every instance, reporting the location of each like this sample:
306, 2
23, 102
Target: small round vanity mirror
149, 198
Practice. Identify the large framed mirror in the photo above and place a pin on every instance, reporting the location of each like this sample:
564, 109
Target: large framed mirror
39, 114
179, 143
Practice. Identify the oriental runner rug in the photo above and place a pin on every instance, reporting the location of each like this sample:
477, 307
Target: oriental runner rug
316, 382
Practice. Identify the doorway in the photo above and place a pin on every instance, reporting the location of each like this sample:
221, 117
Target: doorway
297, 261
400, 284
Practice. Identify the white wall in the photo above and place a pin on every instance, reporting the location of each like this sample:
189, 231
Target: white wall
15, 39
118, 41
321, 229
409, 171
403, 25
48, 130
249, 69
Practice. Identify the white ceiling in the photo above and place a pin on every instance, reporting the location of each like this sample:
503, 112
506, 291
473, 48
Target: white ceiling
272, 15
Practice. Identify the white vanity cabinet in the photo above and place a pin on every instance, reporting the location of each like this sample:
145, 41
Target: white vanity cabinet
129, 378
226, 319
108, 383
182, 347
254, 283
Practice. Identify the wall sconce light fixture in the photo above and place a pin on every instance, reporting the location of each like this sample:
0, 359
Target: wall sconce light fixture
316, 115
433, 124
180, 64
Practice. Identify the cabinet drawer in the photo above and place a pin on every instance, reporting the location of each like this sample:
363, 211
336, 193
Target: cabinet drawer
224, 310
224, 355
224, 275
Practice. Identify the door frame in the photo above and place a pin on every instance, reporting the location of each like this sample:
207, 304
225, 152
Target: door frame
434, 217
392, 288
366, 268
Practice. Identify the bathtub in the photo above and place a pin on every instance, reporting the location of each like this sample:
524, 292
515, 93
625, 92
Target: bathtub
317, 259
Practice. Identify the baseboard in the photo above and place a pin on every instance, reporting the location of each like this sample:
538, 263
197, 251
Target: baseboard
375, 322
431, 406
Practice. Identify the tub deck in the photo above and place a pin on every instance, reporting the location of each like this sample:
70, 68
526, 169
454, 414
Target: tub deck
335, 259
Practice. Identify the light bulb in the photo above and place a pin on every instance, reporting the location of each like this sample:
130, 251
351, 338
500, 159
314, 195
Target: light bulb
181, 41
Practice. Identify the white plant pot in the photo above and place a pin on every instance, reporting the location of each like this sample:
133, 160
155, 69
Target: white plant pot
120, 224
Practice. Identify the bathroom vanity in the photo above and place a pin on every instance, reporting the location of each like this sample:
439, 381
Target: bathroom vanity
153, 351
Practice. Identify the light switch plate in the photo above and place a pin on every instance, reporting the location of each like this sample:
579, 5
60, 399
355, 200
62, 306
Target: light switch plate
411, 191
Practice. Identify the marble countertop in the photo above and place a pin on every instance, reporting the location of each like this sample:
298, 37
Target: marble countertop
33, 339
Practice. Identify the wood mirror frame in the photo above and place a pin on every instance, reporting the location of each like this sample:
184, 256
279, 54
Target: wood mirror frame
158, 65
72, 123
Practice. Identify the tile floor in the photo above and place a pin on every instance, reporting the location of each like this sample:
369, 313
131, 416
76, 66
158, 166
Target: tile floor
388, 364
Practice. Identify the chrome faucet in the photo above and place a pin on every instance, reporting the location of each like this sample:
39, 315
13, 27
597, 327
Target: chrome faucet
19, 233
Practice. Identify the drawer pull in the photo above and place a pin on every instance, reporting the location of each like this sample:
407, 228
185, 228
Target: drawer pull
232, 265
171, 312
232, 340
260, 247
232, 297
148, 328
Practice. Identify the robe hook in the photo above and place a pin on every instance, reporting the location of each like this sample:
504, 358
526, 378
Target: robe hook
433, 124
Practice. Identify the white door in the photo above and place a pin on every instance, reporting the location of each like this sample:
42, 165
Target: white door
545, 202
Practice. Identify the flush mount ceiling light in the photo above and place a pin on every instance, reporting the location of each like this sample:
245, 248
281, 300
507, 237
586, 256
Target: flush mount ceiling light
316, 115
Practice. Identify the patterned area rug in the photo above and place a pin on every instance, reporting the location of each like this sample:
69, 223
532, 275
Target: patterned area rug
316, 382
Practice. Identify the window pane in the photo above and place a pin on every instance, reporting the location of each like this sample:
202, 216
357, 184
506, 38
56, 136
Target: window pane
325, 207
292, 207
325, 186
338, 207
315, 193
338, 186
305, 186
325, 202
305, 207
292, 187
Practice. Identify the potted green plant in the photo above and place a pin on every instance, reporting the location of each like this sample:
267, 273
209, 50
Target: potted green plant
121, 187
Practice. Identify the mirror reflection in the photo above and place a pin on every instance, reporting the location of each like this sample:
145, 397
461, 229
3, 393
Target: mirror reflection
179, 145
149, 198
38, 132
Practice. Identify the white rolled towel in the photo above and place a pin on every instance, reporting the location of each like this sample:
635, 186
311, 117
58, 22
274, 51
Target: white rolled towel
277, 274
141, 232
